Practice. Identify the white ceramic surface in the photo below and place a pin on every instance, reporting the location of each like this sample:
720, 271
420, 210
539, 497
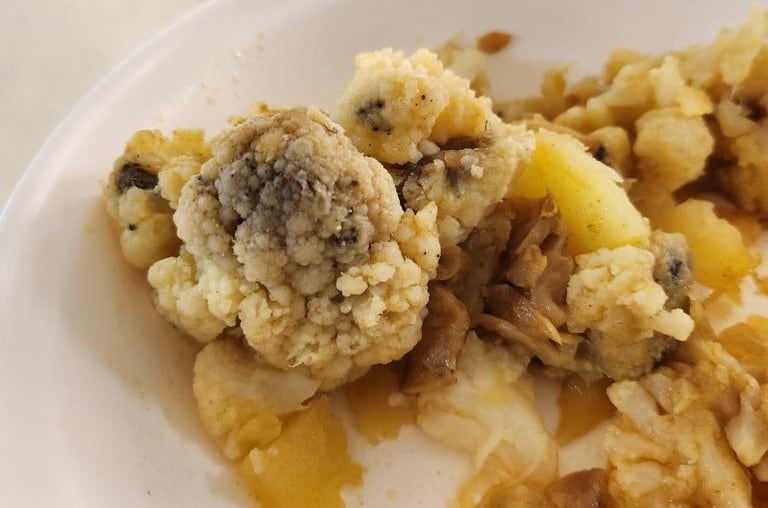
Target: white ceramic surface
52, 53
95, 402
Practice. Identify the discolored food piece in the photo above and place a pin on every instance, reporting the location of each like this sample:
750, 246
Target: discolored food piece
396, 108
614, 299
143, 188
517, 291
582, 489
442, 143
466, 178
614, 311
321, 268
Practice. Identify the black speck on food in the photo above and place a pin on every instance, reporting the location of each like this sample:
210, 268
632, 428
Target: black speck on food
755, 111
675, 268
134, 175
600, 153
132, 227
370, 113
423, 97
345, 237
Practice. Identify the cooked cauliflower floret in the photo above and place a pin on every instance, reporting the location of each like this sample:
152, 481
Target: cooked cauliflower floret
396, 108
465, 178
614, 298
299, 236
241, 400
143, 190
671, 148
687, 430
197, 295
443, 144
490, 412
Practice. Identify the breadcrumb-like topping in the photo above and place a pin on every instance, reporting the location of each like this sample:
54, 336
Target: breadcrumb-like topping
314, 256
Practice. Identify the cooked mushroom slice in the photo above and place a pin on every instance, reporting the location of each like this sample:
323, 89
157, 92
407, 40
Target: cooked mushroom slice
582, 489
432, 362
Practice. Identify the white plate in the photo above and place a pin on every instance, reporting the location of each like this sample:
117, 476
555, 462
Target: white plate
95, 396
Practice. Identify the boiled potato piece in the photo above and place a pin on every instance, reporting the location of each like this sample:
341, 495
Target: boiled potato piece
720, 258
308, 465
595, 208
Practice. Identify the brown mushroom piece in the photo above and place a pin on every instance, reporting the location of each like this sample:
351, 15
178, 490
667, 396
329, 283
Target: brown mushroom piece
432, 361
524, 300
581, 489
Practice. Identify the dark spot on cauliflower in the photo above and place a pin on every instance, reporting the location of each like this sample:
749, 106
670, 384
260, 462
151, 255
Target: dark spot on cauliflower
134, 175
600, 154
370, 113
464, 143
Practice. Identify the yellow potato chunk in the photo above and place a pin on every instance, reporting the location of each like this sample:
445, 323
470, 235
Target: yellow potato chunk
747, 341
307, 465
595, 208
720, 258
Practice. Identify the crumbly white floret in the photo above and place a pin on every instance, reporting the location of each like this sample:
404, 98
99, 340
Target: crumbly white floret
442, 142
613, 291
394, 103
315, 258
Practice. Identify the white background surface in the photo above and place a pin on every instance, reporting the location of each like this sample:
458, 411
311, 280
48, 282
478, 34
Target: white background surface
51, 53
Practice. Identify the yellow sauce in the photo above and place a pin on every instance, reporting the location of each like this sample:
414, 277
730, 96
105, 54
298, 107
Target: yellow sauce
582, 407
377, 406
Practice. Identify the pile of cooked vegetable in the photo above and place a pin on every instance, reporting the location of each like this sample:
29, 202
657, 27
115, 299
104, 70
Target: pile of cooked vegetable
456, 249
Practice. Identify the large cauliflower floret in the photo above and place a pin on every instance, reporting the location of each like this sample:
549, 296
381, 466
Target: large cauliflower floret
687, 431
441, 142
617, 298
491, 413
143, 190
293, 232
